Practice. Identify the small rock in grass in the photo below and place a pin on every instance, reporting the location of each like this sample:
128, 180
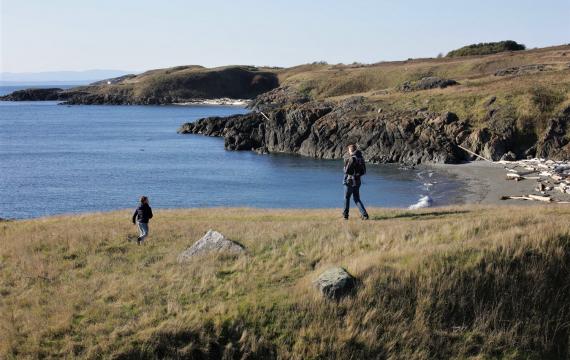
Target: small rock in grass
335, 283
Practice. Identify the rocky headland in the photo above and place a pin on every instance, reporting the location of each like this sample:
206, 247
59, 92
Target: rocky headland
323, 129
49, 94
182, 84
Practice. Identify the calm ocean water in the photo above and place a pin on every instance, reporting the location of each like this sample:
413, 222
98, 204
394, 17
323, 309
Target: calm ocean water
58, 159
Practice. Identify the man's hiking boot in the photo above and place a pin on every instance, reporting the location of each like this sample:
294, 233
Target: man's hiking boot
364, 217
138, 241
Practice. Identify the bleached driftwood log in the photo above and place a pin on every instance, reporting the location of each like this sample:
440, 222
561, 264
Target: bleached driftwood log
540, 198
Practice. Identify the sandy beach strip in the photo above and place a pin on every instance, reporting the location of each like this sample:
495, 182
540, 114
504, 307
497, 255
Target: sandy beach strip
487, 183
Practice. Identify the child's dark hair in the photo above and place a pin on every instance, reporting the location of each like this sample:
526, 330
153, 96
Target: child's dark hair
144, 200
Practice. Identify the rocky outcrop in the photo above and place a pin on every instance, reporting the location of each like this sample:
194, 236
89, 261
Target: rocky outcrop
323, 130
212, 242
279, 97
35, 95
427, 83
523, 70
335, 283
555, 142
489, 144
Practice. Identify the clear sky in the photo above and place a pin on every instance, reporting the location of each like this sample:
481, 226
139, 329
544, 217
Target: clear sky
49, 35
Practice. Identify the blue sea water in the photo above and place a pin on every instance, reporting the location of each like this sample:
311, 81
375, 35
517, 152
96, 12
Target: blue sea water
57, 159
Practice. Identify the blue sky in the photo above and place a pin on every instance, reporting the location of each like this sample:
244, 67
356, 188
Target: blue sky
48, 35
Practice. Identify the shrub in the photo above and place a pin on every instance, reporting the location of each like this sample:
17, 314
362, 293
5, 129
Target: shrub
545, 99
487, 48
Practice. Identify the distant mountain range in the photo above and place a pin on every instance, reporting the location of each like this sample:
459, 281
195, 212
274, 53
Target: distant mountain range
59, 77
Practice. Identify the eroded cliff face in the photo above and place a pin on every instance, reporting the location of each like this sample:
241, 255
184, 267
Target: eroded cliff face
323, 130
285, 122
555, 142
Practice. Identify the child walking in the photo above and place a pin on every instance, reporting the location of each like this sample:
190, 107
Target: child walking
141, 216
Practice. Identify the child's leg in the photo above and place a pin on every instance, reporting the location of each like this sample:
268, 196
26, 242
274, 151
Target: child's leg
143, 231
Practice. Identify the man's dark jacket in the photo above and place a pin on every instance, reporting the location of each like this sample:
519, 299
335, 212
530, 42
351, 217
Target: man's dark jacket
350, 175
142, 214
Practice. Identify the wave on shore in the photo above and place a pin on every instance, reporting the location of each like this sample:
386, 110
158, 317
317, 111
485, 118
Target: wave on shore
424, 202
425, 199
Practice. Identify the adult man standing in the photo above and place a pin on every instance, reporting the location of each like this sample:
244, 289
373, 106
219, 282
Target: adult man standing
354, 169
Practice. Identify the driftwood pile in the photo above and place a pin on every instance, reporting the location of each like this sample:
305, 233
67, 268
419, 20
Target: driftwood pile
551, 176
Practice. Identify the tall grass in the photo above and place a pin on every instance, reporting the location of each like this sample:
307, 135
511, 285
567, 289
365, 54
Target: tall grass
455, 282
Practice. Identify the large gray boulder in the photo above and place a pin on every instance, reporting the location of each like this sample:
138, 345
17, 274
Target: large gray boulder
212, 242
335, 283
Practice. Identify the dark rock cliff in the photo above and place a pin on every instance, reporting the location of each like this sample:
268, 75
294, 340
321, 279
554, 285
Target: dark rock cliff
323, 130
555, 143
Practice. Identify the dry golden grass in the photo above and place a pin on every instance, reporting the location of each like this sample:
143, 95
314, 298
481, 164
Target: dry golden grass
460, 282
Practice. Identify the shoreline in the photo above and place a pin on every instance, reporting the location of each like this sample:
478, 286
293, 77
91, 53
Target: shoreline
484, 184
487, 183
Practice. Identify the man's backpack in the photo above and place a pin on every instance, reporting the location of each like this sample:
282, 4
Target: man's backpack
358, 166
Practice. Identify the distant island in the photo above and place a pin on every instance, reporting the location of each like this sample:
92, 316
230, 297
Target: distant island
496, 99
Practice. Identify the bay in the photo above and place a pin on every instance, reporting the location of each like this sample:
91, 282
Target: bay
58, 159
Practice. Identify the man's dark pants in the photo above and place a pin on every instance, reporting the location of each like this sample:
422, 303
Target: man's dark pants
354, 191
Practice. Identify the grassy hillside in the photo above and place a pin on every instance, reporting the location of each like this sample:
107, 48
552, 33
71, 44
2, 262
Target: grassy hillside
475, 74
177, 84
461, 282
